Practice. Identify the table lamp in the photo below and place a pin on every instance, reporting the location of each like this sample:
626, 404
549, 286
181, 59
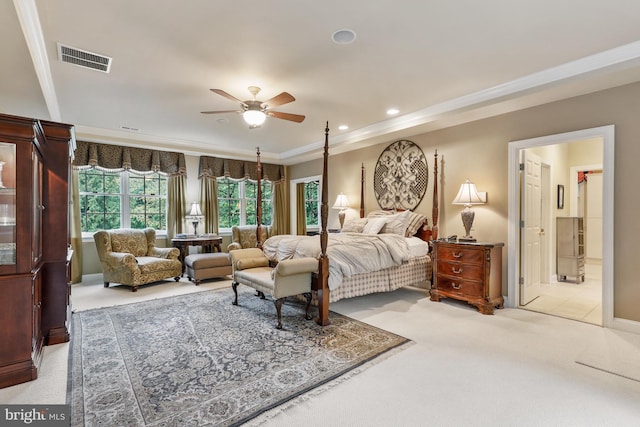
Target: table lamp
467, 196
342, 203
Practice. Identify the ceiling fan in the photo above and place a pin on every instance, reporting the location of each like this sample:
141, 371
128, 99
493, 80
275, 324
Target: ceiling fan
255, 112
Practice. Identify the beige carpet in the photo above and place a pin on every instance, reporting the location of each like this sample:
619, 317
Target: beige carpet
516, 368
615, 352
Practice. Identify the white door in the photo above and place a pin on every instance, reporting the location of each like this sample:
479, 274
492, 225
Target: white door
530, 227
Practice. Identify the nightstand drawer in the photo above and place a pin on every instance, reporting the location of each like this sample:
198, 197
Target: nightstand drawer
461, 287
458, 253
461, 270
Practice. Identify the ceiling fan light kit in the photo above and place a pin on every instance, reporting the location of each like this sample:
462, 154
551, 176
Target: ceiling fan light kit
255, 112
254, 118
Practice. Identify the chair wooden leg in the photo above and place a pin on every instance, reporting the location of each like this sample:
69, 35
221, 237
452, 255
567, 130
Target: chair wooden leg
106, 284
307, 296
134, 289
278, 304
260, 294
177, 278
234, 285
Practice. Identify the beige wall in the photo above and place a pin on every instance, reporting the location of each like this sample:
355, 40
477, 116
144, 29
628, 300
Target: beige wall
478, 151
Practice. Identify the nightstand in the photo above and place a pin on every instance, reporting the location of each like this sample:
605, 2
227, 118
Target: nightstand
470, 272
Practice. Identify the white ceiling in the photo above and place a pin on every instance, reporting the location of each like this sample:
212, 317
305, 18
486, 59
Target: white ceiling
440, 62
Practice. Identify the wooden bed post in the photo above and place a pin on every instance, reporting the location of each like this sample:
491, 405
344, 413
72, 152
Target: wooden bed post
434, 212
259, 202
362, 192
323, 261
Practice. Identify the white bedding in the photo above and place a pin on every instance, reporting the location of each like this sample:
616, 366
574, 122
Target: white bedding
349, 253
417, 247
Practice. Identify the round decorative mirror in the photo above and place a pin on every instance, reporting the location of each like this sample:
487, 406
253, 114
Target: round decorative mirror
401, 176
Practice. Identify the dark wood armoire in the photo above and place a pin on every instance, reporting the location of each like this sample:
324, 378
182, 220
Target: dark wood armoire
34, 243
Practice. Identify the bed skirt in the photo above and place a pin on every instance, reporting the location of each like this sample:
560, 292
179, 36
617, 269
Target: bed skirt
415, 272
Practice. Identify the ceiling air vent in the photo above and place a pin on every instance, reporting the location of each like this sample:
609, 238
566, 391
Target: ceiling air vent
84, 58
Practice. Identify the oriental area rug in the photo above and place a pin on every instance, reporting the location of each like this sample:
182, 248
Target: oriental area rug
198, 360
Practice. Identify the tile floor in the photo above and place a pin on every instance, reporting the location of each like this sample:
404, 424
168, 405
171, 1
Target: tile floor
577, 301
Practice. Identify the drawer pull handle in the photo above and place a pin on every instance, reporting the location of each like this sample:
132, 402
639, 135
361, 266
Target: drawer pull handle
456, 270
457, 254
455, 286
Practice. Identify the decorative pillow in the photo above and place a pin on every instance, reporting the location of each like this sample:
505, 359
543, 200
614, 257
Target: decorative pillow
397, 223
354, 225
374, 225
416, 221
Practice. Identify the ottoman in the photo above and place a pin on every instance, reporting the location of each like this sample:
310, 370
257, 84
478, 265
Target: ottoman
207, 265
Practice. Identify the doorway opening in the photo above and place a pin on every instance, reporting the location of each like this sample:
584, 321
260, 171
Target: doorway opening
534, 282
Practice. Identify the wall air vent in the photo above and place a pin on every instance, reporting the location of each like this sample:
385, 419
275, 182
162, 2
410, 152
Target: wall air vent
84, 58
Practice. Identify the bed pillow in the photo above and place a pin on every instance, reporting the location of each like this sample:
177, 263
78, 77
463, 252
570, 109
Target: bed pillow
396, 223
416, 221
374, 225
355, 225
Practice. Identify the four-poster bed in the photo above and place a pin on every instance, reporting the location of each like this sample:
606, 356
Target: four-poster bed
345, 270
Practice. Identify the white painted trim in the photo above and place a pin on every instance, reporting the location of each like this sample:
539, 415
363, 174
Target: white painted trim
626, 325
570, 70
607, 133
32, 30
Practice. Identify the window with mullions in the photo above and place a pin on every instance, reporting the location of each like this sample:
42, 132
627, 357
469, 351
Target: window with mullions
312, 203
122, 200
237, 202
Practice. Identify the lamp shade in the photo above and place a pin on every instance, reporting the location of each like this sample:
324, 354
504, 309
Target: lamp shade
341, 202
468, 195
195, 209
254, 118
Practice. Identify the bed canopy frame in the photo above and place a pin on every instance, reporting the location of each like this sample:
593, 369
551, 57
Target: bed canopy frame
321, 284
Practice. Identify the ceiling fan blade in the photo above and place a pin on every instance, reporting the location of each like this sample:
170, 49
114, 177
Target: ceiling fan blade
285, 116
220, 112
226, 95
283, 98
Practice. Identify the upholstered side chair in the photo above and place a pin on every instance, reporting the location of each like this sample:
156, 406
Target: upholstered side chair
245, 236
130, 257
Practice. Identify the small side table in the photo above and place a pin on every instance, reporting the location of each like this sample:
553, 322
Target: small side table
208, 242
470, 272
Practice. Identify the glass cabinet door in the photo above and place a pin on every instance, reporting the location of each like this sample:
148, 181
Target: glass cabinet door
7, 203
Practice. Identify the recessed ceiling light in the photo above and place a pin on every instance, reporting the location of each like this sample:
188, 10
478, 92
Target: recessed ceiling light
343, 127
344, 36
392, 111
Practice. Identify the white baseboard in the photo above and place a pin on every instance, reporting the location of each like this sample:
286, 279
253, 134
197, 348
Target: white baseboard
626, 325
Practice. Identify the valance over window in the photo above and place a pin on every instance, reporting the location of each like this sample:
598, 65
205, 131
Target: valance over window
116, 157
238, 169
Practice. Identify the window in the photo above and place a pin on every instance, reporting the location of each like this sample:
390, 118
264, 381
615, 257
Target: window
237, 202
312, 203
122, 200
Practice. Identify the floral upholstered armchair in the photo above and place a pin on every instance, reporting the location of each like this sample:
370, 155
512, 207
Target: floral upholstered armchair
130, 257
245, 236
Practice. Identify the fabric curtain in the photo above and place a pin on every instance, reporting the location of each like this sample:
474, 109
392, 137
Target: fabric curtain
239, 169
280, 209
176, 205
75, 229
116, 157
209, 203
301, 215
